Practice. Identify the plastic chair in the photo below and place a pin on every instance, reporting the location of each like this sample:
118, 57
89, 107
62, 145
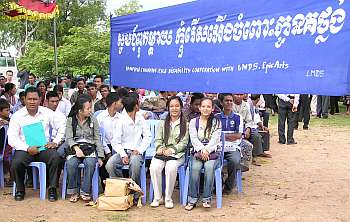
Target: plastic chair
151, 150
97, 113
181, 171
95, 181
218, 178
38, 167
2, 175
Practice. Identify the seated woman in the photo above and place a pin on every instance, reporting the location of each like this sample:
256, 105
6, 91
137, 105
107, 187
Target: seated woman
171, 142
83, 138
205, 132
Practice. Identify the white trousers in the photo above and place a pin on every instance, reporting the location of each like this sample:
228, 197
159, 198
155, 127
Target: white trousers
156, 171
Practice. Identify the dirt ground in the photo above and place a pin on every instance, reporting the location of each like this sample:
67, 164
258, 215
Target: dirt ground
309, 181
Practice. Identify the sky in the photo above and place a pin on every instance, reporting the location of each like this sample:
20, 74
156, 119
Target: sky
147, 4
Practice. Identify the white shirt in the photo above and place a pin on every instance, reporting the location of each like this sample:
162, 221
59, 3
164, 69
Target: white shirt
107, 125
131, 135
64, 106
22, 118
61, 121
285, 98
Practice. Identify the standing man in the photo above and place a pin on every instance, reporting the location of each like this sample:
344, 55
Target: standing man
9, 77
31, 81
25, 154
81, 90
304, 111
287, 110
322, 106
92, 92
102, 103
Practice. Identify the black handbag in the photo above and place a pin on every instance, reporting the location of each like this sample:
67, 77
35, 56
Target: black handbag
164, 158
87, 149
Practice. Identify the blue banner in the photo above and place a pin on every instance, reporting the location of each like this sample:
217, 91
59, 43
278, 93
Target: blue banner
260, 46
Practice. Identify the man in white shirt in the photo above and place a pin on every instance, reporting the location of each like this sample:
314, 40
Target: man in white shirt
287, 108
52, 103
131, 138
64, 105
25, 154
107, 120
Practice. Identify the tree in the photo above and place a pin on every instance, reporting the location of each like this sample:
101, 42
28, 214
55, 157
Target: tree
129, 8
73, 13
84, 51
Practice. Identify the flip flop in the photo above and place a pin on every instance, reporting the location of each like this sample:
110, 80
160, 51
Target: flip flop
190, 206
206, 205
85, 197
74, 198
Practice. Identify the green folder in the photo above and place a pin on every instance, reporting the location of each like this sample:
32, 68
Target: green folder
34, 135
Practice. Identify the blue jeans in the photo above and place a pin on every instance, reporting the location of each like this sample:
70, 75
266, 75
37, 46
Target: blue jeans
115, 164
209, 173
73, 174
233, 164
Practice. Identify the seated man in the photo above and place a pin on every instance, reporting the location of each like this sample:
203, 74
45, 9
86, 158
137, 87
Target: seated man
233, 123
25, 154
131, 138
107, 120
52, 98
20, 103
258, 126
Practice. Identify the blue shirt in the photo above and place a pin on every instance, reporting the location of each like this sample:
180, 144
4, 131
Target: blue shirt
234, 124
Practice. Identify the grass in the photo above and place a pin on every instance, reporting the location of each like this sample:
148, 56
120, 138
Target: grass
118, 217
338, 120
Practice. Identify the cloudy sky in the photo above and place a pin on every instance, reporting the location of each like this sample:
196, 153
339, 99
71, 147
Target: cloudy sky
147, 4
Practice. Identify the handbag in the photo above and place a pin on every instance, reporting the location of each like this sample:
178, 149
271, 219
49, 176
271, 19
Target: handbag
164, 158
213, 155
86, 148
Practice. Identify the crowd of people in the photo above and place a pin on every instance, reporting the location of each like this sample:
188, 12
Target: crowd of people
95, 124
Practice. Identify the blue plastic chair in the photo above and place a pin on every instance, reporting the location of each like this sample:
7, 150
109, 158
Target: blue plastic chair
38, 167
181, 172
218, 178
2, 176
151, 150
97, 113
95, 181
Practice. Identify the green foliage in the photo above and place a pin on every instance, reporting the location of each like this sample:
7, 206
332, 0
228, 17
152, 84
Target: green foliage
129, 8
84, 51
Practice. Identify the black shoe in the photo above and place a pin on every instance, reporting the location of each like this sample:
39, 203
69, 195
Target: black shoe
52, 194
244, 168
280, 142
226, 191
305, 127
325, 116
19, 196
292, 143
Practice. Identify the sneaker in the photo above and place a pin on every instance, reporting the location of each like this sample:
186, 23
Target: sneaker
169, 204
156, 203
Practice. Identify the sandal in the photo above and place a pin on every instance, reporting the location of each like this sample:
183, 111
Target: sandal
206, 205
190, 206
85, 197
74, 198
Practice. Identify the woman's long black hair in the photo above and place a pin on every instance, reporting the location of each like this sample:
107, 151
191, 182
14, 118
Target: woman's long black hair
79, 104
212, 120
183, 121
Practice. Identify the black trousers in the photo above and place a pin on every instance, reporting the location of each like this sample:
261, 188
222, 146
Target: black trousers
22, 159
285, 113
334, 105
102, 170
304, 110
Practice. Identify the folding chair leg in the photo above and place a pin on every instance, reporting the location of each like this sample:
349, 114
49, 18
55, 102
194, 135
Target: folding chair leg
239, 181
2, 175
143, 183
186, 184
218, 183
42, 177
95, 180
64, 182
